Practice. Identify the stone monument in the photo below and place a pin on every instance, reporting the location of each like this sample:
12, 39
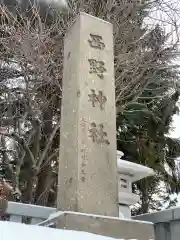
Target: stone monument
88, 161
88, 185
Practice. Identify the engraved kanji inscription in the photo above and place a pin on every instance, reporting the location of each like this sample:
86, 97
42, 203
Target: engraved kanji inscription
97, 133
83, 154
97, 67
83, 175
92, 97
94, 132
102, 135
83, 122
101, 99
83, 164
97, 99
96, 41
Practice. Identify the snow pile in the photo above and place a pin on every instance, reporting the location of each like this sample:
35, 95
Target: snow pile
19, 231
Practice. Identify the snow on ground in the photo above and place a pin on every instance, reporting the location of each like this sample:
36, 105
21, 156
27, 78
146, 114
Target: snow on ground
19, 231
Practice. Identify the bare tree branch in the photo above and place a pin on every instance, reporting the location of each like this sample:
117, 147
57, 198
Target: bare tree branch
22, 142
47, 146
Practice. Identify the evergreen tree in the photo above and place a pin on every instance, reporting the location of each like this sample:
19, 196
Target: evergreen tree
144, 122
142, 136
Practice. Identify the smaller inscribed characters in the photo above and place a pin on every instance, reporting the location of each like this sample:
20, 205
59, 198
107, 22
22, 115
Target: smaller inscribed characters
97, 67
83, 155
97, 98
97, 133
96, 41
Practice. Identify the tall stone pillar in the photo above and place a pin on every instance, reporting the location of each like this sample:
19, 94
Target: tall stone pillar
88, 162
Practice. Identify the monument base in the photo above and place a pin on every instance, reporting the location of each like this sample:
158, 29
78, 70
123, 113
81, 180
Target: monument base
102, 225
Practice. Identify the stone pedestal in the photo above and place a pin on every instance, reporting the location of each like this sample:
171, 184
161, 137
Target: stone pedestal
87, 164
102, 225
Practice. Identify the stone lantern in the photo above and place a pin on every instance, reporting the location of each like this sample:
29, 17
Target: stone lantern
128, 173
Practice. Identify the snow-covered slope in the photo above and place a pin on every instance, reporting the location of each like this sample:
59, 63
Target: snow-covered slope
18, 231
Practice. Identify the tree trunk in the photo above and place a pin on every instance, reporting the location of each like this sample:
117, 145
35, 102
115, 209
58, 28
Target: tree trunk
44, 177
43, 187
145, 197
27, 194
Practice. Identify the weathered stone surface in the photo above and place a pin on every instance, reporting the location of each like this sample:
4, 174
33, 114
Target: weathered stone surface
112, 227
88, 162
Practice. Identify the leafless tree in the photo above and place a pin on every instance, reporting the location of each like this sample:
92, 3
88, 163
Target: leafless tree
31, 83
